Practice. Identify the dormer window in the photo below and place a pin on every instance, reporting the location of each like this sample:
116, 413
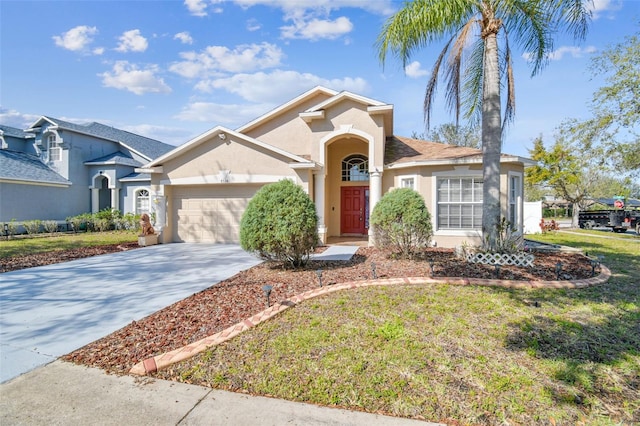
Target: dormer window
55, 148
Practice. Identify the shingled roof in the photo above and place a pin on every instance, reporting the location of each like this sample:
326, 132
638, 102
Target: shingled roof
406, 150
16, 165
401, 151
12, 131
150, 148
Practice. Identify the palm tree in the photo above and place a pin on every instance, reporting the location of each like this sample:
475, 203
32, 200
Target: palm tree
478, 62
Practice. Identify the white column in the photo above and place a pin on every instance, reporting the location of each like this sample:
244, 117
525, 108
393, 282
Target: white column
375, 193
95, 200
160, 209
319, 195
115, 198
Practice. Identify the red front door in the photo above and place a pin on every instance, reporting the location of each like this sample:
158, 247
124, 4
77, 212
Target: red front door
354, 210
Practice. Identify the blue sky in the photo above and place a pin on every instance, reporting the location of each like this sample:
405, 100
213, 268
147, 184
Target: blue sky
171, 70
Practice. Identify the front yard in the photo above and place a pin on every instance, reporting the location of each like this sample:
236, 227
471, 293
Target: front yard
459, 355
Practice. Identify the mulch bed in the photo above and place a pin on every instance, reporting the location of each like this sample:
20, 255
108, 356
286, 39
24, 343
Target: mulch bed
230, 301
15, 263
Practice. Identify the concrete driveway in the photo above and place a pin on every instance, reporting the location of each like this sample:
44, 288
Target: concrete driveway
49, 311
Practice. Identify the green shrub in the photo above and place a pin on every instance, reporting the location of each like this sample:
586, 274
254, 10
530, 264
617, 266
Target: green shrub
12, 227
79, 222
401, 221
280, 223
105, 220
32, 226
508, 240
50, 226
129, 221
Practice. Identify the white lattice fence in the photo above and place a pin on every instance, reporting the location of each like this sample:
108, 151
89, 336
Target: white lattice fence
517, 259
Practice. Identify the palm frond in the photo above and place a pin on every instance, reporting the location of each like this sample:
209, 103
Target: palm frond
418, 24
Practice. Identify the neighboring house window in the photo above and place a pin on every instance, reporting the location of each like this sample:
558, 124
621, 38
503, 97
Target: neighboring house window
514, 197
55, 148
142, 201
408, 182
459, 203
355, 168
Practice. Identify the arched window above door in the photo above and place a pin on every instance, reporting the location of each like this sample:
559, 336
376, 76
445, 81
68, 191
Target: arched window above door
355, 168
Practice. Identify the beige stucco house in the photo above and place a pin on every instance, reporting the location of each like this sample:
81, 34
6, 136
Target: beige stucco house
340, 148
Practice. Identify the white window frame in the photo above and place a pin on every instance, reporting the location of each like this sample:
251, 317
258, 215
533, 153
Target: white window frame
401, 181
54, 147
514, 200
136, 196
354, 171
461, 172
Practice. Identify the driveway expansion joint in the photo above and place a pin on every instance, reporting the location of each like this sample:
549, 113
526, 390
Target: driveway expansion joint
162, 361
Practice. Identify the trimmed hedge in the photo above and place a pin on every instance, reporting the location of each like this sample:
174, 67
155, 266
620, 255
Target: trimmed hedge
280, 223
401, 222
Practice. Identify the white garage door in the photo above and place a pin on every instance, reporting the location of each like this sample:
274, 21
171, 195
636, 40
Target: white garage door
209, 214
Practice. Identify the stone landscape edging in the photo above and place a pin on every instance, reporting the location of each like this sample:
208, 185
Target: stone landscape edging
162, 361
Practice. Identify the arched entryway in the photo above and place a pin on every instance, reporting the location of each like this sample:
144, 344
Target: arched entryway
104, 193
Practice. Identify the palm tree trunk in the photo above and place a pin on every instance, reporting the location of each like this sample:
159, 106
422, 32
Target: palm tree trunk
491, 142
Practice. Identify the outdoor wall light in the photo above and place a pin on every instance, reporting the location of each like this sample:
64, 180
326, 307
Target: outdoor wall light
373, 271
267, 292
319, 274
558, 270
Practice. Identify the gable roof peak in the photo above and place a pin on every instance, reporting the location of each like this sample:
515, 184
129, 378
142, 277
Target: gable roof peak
317, 90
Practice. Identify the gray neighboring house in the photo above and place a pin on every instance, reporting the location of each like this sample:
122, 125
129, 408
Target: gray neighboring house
55, 169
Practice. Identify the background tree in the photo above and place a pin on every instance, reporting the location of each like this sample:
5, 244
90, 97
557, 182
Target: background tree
280, 223
454, 134
614, 128
475, 61
563, 168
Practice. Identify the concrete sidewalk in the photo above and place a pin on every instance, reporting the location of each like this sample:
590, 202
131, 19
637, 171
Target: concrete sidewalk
62, 393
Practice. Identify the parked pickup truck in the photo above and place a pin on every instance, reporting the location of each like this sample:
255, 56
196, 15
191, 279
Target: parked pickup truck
618, 220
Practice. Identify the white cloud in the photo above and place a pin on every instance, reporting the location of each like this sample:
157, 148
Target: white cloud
602, 7
278, 86
231, 115
98, 51
170, 135
216, 59
253, 25
129, 77
381, 7
559, 53
132, 41
310, 19
413, 70
184, 37
199, 7
13, 118
76, 39
573, 51
316, 29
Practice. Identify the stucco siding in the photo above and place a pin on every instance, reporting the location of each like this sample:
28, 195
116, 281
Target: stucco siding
244, 161
29, 202
287, 130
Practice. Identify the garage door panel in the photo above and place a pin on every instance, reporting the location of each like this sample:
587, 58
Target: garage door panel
209, 213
